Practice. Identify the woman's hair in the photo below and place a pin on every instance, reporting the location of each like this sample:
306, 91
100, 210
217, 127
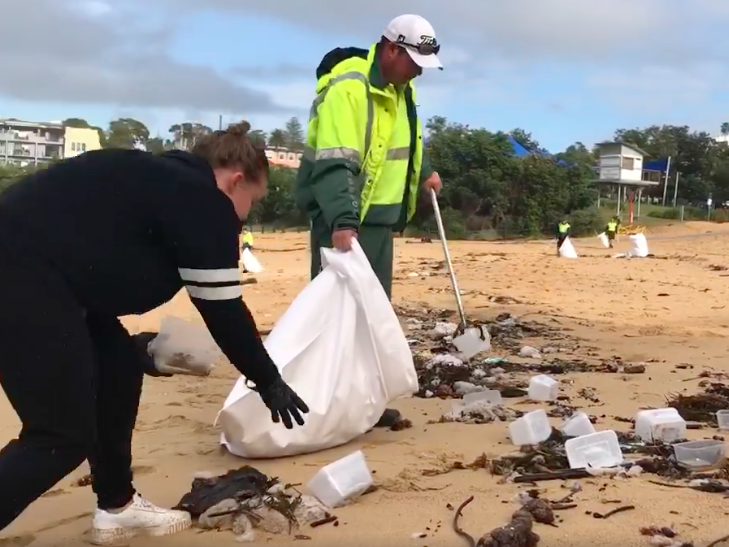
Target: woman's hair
235, 148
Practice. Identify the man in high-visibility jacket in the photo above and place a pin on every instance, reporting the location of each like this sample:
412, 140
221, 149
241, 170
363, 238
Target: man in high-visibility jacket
563, 232
247, 239
611, 230
247, 245
363, 164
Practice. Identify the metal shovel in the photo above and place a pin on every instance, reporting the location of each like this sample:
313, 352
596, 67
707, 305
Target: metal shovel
470, 340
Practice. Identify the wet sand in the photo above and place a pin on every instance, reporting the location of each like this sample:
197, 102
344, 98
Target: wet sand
665, 310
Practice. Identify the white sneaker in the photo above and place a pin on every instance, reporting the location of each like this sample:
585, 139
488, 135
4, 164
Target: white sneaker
140, 518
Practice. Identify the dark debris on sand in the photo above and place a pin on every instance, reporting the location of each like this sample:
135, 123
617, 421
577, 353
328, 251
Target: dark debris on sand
703, 406
440, 370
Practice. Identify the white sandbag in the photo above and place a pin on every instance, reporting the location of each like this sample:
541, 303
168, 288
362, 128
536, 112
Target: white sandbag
340, 346
184, 347
567, 250
638, 246
604, 240
250, 262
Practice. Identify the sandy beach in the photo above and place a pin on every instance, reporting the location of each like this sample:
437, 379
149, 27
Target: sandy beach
662, 311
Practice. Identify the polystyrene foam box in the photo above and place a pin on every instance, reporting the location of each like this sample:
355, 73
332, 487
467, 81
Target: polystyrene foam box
543, 388
491, 396
722, 419
577, 425
342, 480
532, 428
600, 449
660, 424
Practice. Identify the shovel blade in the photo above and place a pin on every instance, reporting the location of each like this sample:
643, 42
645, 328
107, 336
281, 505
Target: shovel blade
473, 341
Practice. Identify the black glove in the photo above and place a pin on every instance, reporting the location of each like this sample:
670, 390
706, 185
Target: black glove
283, 403
142, 341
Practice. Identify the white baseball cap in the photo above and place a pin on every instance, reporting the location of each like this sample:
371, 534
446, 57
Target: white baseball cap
417, 37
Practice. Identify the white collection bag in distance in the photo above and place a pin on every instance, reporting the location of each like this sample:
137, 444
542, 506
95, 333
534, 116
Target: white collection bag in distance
250, 262
567, 250
340, 346
638, 246
604, 240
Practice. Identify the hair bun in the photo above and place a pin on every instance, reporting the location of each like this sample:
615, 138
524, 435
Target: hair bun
241, 128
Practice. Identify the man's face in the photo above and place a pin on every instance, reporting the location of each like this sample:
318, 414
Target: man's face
401, 67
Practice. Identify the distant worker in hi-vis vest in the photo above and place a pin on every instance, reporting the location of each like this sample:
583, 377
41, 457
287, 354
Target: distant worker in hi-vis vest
363, 164
563, 232
611, 230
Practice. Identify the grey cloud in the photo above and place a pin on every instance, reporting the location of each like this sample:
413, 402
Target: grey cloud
283, 71
119, 59
524, 31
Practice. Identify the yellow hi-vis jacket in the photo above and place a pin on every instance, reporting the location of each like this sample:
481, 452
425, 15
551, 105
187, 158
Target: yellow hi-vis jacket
248, 238
364, 151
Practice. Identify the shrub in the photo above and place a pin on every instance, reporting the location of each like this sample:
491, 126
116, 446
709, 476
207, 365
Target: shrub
585, 222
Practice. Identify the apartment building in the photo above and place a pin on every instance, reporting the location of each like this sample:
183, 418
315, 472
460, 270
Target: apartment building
283, 157
27, 143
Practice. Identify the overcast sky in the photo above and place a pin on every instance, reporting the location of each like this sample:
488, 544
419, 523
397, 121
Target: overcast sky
566, 70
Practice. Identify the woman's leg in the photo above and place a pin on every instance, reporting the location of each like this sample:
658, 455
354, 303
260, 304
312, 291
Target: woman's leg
119, 388
121, 515
47, 372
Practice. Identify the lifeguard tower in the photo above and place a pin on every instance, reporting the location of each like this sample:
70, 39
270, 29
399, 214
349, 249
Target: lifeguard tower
621, 165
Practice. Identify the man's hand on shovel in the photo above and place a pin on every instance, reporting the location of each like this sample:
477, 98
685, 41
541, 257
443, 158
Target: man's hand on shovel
434, 183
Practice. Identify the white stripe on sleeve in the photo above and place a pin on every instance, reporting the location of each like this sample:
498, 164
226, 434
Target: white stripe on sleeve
215, 293
218, 275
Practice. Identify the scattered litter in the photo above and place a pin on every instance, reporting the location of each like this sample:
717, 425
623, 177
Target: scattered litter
703, 406
598, 450
530, 353
480, 412
491, 396
700, 454
245, 499
722, 420
578, 424
532, 428
341, 481
543, 388
183, 347
664, 424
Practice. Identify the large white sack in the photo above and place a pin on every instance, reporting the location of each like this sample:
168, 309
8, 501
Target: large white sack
567, 250
250, 262
340, 346
638, 246
604, 239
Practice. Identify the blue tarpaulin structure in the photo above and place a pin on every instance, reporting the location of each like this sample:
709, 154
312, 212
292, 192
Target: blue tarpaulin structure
521, 151
656, 165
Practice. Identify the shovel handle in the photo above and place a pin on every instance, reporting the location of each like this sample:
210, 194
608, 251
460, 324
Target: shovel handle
451, 272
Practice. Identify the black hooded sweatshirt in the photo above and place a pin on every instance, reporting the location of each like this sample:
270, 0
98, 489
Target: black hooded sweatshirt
128, 229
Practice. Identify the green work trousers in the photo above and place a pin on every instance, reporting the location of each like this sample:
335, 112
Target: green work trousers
376, 242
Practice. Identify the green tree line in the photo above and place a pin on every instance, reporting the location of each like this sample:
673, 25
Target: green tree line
488, 191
